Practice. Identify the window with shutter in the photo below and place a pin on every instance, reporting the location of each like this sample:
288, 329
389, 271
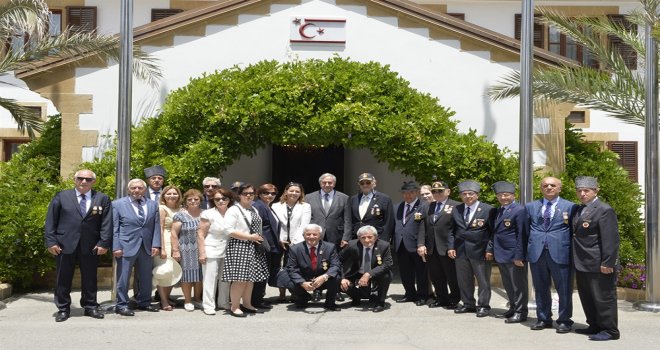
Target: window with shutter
157, 14
81, 18
54, 22
539, 31
627, 151
628, 54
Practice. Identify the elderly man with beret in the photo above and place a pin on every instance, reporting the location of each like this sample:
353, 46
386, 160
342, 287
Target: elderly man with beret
595, 254
510, 230
155, 176
471, 245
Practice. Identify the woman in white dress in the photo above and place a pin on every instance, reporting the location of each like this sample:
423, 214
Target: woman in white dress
212, 242
294, 214
170, 203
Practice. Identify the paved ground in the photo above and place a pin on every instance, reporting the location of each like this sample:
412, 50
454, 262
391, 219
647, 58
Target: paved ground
28, 323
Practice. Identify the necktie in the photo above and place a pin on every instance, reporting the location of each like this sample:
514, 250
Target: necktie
500, 211
312, 257
156, 196
467, 214
364, 204
405, 212
326, 202
366, 264
140, 210
83, 204
436, 213
547, 215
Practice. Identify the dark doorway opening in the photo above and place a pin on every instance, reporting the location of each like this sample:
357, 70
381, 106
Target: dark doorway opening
304, 164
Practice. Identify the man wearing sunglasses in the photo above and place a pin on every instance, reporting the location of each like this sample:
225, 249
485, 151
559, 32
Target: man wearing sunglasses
370, 207
210, 184
78, 228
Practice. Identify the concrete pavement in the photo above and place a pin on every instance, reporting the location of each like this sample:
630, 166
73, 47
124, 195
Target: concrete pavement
28, 323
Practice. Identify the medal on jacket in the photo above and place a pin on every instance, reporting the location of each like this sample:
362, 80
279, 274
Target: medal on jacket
585, 224
95, 210
448, 208
324, 265
418, 216
507, 222
379, 259
375, 210
480, 222
565, 216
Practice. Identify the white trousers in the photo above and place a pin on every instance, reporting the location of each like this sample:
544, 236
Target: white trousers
212, 271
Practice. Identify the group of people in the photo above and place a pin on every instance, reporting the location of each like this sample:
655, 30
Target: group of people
228, 244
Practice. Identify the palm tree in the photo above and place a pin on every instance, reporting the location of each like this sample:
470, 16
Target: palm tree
30, 19
612, 87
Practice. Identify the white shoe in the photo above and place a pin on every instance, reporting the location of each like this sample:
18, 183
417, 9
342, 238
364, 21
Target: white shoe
189, 307
209, 311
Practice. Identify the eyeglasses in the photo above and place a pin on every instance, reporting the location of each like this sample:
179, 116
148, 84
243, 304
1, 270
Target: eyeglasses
220, 199
81, 179
247, 194
270, 193
210, 186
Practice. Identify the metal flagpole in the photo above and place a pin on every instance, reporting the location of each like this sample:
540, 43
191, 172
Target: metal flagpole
526, 116
652, 206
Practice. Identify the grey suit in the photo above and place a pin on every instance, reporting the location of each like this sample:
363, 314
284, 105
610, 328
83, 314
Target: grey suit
336, 220
135, 238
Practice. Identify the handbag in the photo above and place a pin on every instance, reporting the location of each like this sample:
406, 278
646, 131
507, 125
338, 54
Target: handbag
262, 247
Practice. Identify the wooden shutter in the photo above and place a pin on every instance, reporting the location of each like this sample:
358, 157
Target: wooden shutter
81, 18
157, 14
539, 30
628, 54
627, 151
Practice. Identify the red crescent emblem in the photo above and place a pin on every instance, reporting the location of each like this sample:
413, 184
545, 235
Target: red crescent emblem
301, 30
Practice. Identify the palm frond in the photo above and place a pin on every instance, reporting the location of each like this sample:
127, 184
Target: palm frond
28, 122
23, 16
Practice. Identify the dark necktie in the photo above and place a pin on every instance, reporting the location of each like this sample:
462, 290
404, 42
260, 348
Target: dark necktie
467, 214
326, 202
405, 212
140, 210
366, 264
547, 215
500, 211
312, 257
83, 204
156, 196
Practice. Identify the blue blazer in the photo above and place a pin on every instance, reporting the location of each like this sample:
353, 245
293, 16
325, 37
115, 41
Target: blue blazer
129, 232
269, 224
557, 235
299, 265
474, 239
406, 234
510, 232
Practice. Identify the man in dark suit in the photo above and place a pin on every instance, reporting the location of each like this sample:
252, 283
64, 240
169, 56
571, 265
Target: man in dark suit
210, 184
595, 254
78, 228
471, 245
548, 253
329, 209
370, 207
155, 179
313, 264
367, 266
412, 268
510, 231
433, 244
136, 239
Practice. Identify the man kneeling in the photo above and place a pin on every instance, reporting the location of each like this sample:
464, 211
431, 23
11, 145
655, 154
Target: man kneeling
367, 263
312, 265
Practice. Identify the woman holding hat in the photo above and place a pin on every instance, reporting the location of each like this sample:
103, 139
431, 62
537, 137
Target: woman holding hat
185, 248
169, 205
212, 243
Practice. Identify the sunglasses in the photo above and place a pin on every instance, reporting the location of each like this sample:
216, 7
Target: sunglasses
81, 179
210, 186
247, 194
437, 191
221, 199
270, 193
365, 183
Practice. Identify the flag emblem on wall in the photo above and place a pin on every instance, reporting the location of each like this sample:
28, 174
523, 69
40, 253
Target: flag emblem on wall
318, 30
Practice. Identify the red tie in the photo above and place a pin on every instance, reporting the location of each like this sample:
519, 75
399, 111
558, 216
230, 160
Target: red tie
312, 256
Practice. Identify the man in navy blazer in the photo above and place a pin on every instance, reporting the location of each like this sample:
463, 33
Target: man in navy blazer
370, 207
549, 252
471, 245
412, 267
78, 228
136, 239
510, 231
313, 265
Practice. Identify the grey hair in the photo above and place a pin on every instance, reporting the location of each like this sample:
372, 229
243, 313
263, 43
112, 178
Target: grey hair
81, 170
212, 179
334, 178
367, 229
130, 183
313, 227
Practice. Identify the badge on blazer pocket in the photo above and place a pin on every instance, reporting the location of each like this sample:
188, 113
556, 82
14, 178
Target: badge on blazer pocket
586, 223
418, 216
480, 222
507, 222
565, 216
324, 265
379, 259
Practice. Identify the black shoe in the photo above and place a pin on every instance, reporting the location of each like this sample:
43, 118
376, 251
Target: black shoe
483, 312
505, 315
316, 295
451, 306
125, 312
301, 305
331, 307
405, 300
156, 295
237, 315
356, 302
516, 318
339, 297
603, 336
379, 308
539, 325
563, 328
587, 331
148, 308
438, 304
420, 302
463, 310
263, 306
94, 313
61, 316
